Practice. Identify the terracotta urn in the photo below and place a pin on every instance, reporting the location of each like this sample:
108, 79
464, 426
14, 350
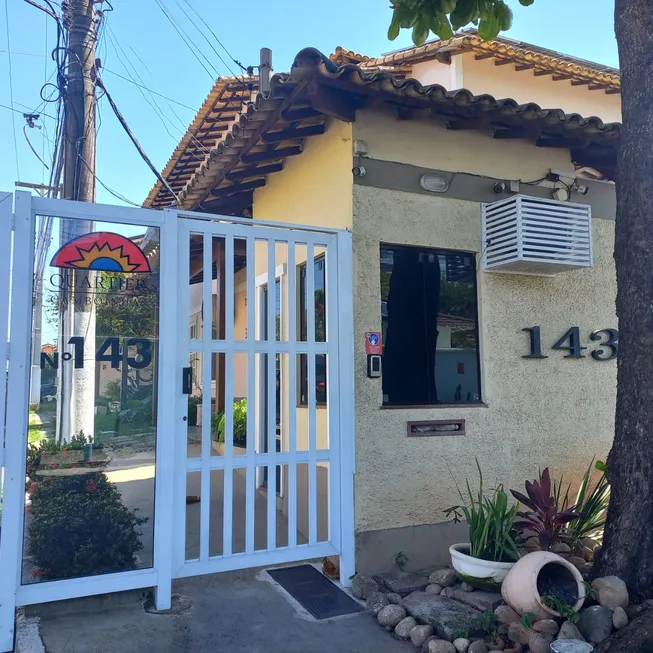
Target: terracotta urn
539, 574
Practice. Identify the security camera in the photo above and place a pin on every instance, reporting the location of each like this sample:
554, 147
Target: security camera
359, 171
499, 187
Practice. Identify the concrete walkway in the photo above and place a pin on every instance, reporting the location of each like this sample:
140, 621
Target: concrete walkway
234, 612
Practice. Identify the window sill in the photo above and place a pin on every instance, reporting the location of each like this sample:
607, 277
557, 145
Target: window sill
479, 404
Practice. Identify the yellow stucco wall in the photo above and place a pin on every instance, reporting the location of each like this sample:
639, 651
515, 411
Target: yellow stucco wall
557, 412
483, 76
314, 188
428, 144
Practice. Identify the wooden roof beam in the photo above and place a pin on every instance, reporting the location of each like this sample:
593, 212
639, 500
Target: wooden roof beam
271, 154
331, 102
612, 91
252, 171
580, 82
485, 55
596, 87
561, 78
538, 72
503, 62
224, 191
470, 123
297, 132
513, 133
291, 115
524, 66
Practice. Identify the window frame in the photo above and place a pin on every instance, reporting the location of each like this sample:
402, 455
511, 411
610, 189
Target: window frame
437, 251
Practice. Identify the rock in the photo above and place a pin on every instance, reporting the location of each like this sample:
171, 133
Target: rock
578, 562
393, 597
403, 582
635, 610
547, 626
586, 554
569, 630
363, 586
611, 592
433, 588
466, 587
589, 543
502, 629
586, 571
570, 646
419, 634
561, 548
461, 645
390, 616
403, 628
440, 646
506, 615
540, 643
518, 633
619, 618
445, 615
375, 602
595, 623
478, 646
448, 592
445, 577
480, 600
517, 648
496, 644
425, 645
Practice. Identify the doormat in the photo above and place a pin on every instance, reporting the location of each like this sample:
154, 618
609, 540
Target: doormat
315, 592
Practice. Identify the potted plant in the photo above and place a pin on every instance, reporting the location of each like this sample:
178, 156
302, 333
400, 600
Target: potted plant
491, 552
542, 582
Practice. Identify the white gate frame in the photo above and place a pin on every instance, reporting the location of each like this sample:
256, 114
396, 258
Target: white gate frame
168, 470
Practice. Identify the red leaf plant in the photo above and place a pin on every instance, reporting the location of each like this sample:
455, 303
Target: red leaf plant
544, 519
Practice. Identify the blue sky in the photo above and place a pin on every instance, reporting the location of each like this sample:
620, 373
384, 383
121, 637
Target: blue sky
583, 28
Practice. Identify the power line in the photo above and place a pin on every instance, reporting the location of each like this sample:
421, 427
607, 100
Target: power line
131, 81
115, 193
11, 89
186, 39
129, 132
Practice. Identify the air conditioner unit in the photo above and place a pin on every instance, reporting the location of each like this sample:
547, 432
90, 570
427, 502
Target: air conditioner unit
533, 235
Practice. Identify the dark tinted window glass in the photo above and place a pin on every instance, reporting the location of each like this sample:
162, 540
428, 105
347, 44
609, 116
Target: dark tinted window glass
430, 326
320, 331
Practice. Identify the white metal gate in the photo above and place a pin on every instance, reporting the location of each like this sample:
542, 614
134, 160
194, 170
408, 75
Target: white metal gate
231, 491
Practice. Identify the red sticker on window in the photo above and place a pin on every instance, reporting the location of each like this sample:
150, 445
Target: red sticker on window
373, 343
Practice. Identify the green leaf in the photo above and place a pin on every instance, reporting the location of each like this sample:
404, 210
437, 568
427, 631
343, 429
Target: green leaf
526, 3
420, 32
601, 466
506, 16
490, 27
393, 30
464, 13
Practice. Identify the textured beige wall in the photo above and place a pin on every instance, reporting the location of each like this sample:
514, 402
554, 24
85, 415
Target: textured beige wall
556, 412
430, 145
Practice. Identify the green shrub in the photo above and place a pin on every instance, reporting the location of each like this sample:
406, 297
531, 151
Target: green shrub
80, 527
218, 424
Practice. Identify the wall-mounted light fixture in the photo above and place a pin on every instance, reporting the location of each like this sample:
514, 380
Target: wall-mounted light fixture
434, 183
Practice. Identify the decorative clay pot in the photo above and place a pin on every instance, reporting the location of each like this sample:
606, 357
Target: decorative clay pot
537, 571
483, 574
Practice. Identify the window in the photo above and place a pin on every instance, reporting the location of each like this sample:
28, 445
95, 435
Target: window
430, 326
320, 332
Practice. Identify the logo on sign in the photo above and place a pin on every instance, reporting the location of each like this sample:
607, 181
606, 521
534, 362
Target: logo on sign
101, 251
373, 342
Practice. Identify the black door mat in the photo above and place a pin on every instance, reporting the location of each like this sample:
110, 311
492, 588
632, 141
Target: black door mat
314, 591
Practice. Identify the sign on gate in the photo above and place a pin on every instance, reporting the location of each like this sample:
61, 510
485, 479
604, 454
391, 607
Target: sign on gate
246, 461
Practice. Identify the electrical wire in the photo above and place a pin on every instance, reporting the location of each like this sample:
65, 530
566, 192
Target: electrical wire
133, 138
31, 147
115, 193
11, 89
186, 39
131, 81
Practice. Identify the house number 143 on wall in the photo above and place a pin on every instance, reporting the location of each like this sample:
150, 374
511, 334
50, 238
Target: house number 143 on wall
606, 349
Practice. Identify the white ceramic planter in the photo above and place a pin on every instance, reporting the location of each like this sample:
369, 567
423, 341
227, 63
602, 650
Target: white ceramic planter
483, 574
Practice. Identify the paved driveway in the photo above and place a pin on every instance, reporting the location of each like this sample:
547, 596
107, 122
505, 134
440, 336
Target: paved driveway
234, 612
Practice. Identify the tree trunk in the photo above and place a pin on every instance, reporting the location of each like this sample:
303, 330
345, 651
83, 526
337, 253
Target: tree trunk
628, 540
636, 637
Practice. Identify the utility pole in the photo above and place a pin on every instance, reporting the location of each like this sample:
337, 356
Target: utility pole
76, 405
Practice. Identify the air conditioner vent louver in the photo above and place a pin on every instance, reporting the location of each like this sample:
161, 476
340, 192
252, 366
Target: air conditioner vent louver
532, 235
